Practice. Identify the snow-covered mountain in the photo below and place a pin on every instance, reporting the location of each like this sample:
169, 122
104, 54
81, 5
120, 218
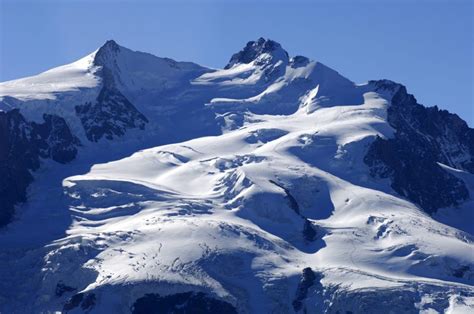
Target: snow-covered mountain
134, 183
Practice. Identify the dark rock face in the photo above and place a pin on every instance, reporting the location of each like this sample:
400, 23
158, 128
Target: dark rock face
291, 200
312, 296
62, 288
181, 303
308, 231
299, 61
252, 50
56, 140
16, 161
423, 137
308, 279
111, 115
85, 300
462, 271
22, 143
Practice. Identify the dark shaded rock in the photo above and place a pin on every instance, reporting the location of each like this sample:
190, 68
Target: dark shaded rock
17, 158
444, 134
253, 49
299, 61
423, 137
461, 271
61, 288
106, 58
85, 300
181, 303
109, 46
73, 302
22, 143
58, 143
291, 200
308, 231
88, 302
308, 279
111, 115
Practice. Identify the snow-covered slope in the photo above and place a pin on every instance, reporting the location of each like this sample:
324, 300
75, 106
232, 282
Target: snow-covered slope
66, 78
274, 185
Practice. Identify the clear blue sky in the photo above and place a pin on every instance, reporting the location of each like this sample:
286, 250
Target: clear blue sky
426, 45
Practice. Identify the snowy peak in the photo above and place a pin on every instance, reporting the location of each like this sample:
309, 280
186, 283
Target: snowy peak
106, 53
263, 51
276, 185
133, 71
110, 45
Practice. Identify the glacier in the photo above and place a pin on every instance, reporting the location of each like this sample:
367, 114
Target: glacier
272, 185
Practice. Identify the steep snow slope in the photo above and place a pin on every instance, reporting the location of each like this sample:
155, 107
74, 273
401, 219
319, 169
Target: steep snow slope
256, 197
66, 78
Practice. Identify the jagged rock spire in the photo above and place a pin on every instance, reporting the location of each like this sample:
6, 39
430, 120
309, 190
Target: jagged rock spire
254, 49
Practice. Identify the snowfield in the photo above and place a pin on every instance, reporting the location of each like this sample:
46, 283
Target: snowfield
46, 85
237, 213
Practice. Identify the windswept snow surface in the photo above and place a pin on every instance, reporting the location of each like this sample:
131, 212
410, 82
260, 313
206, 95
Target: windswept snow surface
239, 214
66, 78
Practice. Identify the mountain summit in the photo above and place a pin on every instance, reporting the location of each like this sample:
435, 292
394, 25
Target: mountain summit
262, 50
131, 183
107, 53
